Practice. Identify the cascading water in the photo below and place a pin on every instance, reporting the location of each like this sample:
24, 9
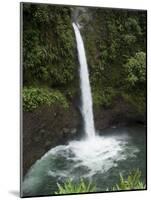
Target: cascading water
87, 110
97, 158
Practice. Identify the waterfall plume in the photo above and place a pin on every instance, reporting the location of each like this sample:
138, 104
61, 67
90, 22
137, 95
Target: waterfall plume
86, 97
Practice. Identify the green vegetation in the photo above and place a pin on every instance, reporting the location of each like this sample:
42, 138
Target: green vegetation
35, 97
140, 106
71, 187
115, 42
136, 69
48, 45
135, 82
103, 97
132, 182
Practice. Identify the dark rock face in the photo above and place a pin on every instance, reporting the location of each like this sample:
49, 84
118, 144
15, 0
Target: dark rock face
47, 127
121, 113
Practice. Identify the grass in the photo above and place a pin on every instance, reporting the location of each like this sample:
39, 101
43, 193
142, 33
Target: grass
71, 187
131, 182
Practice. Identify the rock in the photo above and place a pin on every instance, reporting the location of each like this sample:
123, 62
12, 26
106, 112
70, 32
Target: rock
73, 131
69, 131
47, 144
45, 128
42, 131
66, 131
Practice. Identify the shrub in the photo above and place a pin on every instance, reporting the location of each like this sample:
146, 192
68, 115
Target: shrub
132, 182
70, 187
137, 101
136, 69
103, 97
34, 97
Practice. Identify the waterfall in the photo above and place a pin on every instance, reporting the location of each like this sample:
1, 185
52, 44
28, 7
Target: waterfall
87, 109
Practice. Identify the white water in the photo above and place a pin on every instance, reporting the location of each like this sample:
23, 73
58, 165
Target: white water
87, 110
88, 158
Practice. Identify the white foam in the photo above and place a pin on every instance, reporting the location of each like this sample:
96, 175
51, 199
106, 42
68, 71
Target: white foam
93, 156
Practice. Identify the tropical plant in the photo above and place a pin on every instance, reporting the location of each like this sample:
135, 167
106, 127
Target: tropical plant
132, 182
70, 187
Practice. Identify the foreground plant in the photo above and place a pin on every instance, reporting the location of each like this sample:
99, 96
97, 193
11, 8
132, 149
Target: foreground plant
71, 187
132, 182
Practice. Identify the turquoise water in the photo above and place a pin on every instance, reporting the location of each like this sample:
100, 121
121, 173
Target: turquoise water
114, 151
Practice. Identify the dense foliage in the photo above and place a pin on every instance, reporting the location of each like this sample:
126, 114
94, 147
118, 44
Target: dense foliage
35, 97
48, 45
115, 42
136, 70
